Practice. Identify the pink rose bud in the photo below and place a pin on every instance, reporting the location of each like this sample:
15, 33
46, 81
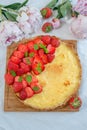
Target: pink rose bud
56, 23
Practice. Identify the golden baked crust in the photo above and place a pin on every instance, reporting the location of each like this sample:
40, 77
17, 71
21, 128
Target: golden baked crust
60, 80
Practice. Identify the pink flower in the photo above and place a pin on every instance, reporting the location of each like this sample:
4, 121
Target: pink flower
81, 7
56, 23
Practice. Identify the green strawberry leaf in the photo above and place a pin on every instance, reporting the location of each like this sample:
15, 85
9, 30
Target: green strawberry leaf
36, 47
28, 78
43, 12
48, 28
35, 88
28, 61
31, 54
13, 73
38, 68
26, 54
20, 79
43, 47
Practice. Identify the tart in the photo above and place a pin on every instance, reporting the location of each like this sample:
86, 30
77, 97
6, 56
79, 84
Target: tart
46, 74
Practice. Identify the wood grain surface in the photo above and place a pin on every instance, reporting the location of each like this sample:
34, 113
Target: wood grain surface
11, 102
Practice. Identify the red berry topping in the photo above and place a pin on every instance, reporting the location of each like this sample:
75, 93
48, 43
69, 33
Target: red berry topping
55, 42
22, 48
50, 49
15, 59
22, 95
29, 92
50, 57
18, 54
47, 27
46, 39
12, 66
9, 79
46, 12
17, 86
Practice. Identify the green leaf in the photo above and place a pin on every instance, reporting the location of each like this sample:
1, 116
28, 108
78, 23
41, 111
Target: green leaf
35, 88
36, 47
20, 79
65, 8
9, 16
23, 4
48, 28
2, 17
28, 61
26, 54
43, 12
52, 4
44, 48
14, 6
39, 69
31, 54
12, 72
28, 78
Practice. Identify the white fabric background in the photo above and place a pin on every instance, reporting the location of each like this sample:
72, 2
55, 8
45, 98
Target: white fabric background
46, 120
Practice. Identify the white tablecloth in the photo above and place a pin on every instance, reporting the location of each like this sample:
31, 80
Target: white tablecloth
46, 120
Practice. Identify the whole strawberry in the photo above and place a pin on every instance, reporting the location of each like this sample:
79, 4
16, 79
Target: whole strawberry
47, 27
46, 12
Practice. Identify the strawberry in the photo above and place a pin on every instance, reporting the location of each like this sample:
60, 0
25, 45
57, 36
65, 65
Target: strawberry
37, 67
50, 49
28, 78
44, 58
29, 92
20, 71
46, 12
32, 54
9, 79
40, 52
30, 46
47, 27
15, 59
36, 88
12, 66
75, 102
22, 95
18, 79
37, 59
24, 83
18, 54
50, 57
25, 67
34, 79
17, 86
26, 54
38, 41
23, 48
55, 42
28, 61
46, 39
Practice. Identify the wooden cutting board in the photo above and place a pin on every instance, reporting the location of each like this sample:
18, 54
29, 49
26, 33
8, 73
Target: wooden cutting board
11, 102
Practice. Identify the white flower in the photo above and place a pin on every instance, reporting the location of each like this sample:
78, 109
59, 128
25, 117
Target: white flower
29, 20
9, 32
